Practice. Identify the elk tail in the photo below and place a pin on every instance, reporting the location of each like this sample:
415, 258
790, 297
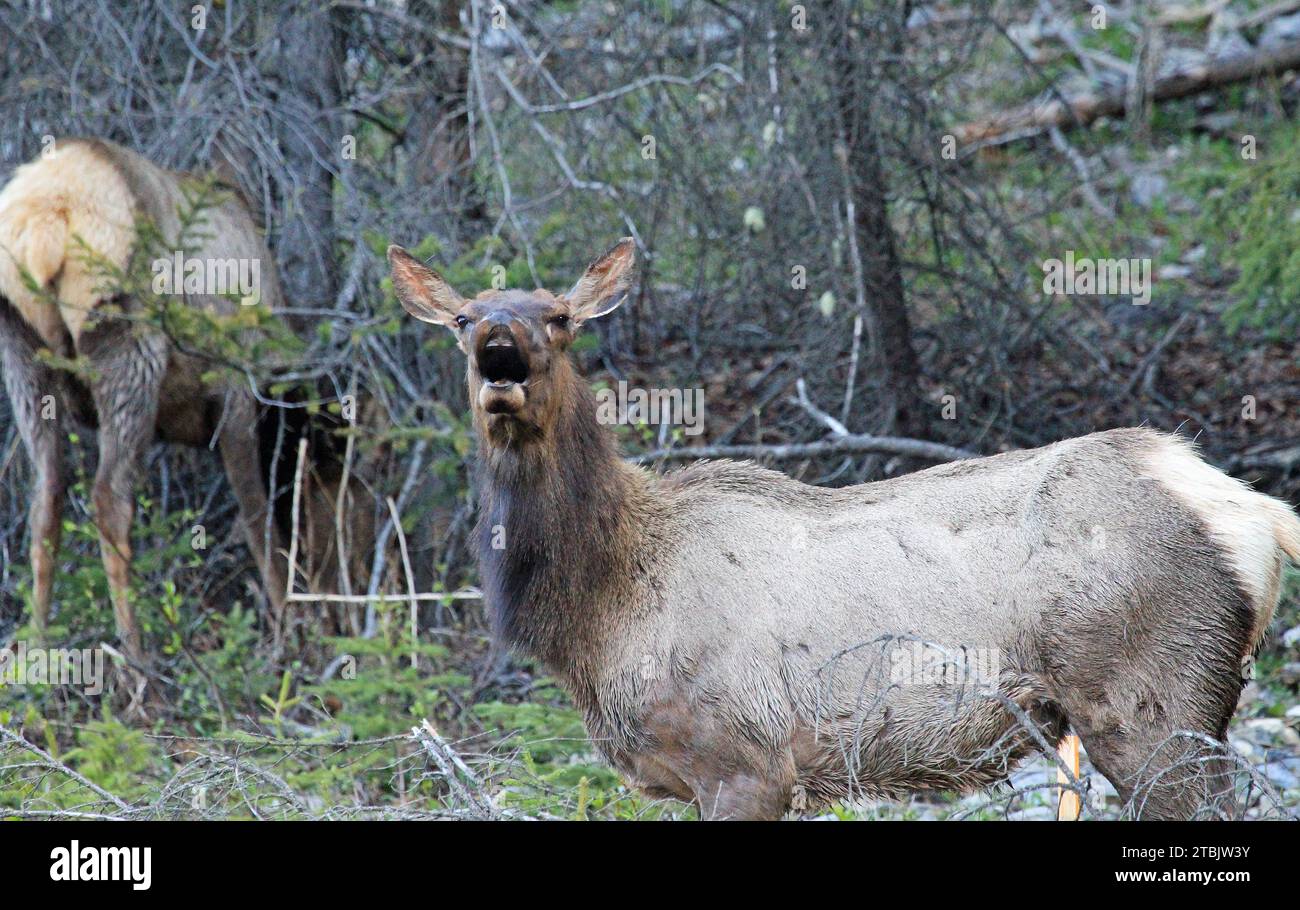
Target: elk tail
33, 240
1286, 528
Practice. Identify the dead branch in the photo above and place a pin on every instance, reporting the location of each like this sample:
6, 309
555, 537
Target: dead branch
1269, 13
839, 445
458, 775
51, 763
1186, 15
1282, 460
1150, 359
1086, 107
410, 582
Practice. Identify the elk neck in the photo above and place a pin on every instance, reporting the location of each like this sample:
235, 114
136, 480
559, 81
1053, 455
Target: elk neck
567, 537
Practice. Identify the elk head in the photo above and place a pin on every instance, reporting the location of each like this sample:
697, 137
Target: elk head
520, 374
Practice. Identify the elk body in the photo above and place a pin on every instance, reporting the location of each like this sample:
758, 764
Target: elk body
89, 195
735, 637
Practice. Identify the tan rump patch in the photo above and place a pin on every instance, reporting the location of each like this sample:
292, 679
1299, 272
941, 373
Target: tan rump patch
1254, 530
49, 204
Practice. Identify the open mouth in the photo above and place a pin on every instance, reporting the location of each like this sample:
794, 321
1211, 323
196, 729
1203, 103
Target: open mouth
500, 361
504, 370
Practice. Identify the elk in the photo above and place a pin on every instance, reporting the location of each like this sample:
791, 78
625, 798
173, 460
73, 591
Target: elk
734, 637
88, 197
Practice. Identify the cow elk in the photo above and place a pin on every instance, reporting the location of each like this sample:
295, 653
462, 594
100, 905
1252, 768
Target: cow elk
64, 218
754, 645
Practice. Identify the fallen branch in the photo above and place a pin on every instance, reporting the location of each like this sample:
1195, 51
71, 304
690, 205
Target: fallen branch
1268, 14
1080, 166
837, 428
1283, 461
394, 522
430, 596
858, 444
1188, 15
51, 763
1150, 359
458, 775
1084, 108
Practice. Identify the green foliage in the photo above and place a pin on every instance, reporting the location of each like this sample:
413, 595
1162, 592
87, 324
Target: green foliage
227, 673
1273, 656
109, 754
116, 757
547, 729
1251, 222
557, 771
161, 543
377, 692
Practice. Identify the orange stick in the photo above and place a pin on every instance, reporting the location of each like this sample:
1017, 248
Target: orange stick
1069, 807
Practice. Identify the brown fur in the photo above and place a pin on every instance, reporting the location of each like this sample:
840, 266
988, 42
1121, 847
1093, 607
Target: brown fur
730, 634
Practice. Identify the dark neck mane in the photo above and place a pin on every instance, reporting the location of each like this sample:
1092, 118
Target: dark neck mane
560, 524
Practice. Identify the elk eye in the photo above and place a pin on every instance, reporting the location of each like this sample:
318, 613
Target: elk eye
560, 321
462, 321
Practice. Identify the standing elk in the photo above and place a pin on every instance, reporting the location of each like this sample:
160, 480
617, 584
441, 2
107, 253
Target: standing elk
63, 218
1119, 581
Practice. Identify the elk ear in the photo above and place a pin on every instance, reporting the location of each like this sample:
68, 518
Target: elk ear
605, 283
423, 292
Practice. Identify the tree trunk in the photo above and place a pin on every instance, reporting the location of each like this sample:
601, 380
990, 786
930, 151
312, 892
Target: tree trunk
438, 135
308, 66
854, 85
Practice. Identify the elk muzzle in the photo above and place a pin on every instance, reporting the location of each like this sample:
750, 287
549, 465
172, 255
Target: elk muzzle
502, 363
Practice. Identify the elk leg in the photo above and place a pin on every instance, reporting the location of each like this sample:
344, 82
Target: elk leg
729, 775
746, 797
129, 371
739, 782
1162, 772
1164, 748
240, 457
28, 383
46, 527
113, 497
